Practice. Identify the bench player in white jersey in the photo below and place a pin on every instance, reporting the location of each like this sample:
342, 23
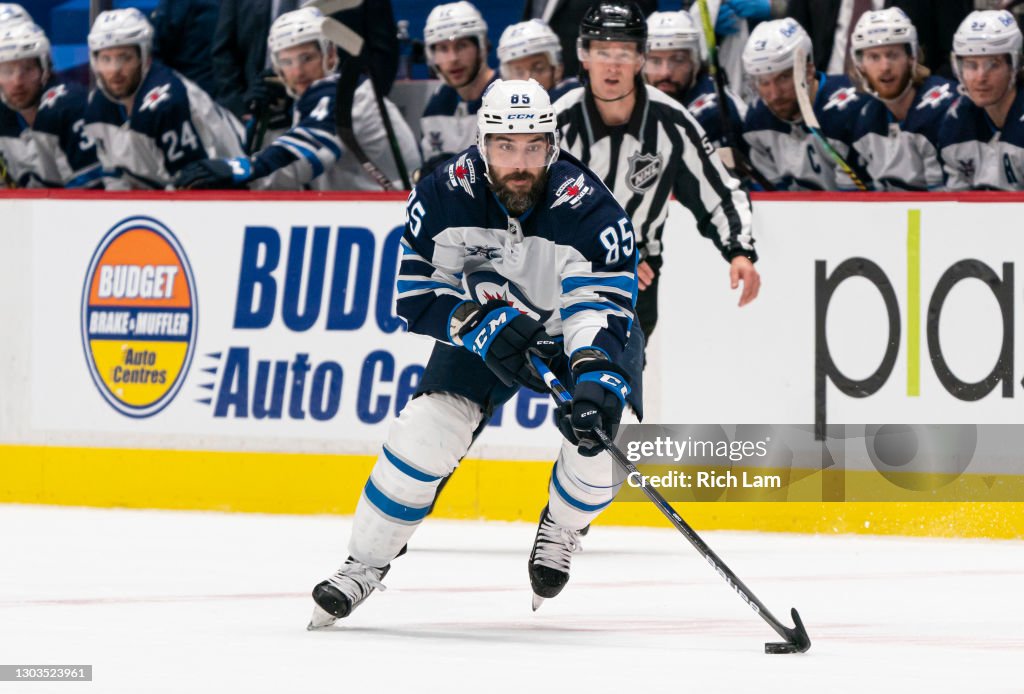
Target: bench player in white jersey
531, 49
41, 130
148, 121
646, 147
676, 65
981, 141
897, 132
455, 37
781, 146
514, 217
310, 155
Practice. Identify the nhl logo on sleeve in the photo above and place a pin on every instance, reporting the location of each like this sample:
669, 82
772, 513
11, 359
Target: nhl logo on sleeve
644, 171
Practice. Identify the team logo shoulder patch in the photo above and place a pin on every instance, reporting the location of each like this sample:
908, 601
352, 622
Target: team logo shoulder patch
52, 95
702, 103
156, 96
842, 98
462, 174
572, 191
644, 171
935, 96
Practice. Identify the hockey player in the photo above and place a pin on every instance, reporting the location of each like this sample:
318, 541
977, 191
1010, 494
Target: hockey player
675, 65
530, 49
645, 146
981, 140
511, 249
781, 146
41, 130
148, 121
310, 155
12, 13
456, 42
897, 132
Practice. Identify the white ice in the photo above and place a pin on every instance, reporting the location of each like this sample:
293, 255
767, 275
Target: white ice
162, 601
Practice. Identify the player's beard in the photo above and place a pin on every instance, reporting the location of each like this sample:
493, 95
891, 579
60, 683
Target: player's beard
519, 202
129, 87
670, 87
26, 99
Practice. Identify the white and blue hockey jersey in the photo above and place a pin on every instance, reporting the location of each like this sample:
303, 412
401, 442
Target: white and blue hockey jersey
903, 155
701, 100
311, 156
976, 155
569, 262
790, 157
54, 152
448, 124
172, 123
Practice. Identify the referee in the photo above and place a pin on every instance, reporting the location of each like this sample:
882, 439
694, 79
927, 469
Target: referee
646, 146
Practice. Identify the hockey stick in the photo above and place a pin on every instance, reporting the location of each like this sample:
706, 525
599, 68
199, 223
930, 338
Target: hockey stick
796, 638
811, 119
730, 129
389, 129
348, 80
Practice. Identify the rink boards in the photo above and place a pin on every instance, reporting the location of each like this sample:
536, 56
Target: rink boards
241, 353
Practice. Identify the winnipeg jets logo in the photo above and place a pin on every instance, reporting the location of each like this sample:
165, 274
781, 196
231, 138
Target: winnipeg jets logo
842, 98
644, 170
701, 104
462, 174
435, 141
155, 96
935, 96
52, 94
489, 252
966, 168
572, 191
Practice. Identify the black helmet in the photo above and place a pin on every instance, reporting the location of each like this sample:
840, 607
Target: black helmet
614, 21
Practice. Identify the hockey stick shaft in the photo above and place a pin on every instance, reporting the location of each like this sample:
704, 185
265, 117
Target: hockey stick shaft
803, 99
344, 98
729, 128
389, 128
797, 636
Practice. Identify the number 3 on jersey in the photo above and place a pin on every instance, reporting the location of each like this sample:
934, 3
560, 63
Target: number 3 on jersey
613, 239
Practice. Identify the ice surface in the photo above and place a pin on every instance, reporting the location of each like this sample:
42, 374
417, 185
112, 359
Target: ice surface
161, 601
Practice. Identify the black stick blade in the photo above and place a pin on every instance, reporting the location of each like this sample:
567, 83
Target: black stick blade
797, 639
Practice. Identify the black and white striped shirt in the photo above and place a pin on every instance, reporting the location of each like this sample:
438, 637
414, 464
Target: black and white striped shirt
661, 151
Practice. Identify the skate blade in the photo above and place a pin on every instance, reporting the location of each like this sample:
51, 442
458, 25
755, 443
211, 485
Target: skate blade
537, 601
321, 619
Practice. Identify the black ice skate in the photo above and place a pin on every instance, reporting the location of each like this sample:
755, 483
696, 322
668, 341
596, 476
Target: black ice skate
549, 562
343, 592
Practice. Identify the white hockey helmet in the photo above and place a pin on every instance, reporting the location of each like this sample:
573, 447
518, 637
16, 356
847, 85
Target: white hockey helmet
771, 46
517, 107
454, 20
674, 31
113, 28
12, 13
883, 28
295, 28
987, 32
529, 38
26, 40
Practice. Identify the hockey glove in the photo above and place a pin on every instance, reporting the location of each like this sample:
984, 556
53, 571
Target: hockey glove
215, 174
597, 403
727, 23
504, 338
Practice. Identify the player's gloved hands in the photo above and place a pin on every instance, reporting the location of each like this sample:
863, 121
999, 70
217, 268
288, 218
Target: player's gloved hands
504, 338
751, 9
215, 174
597, 403
728, 22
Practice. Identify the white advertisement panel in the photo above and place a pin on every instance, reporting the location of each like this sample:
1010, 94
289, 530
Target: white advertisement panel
870, 312
268, 323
